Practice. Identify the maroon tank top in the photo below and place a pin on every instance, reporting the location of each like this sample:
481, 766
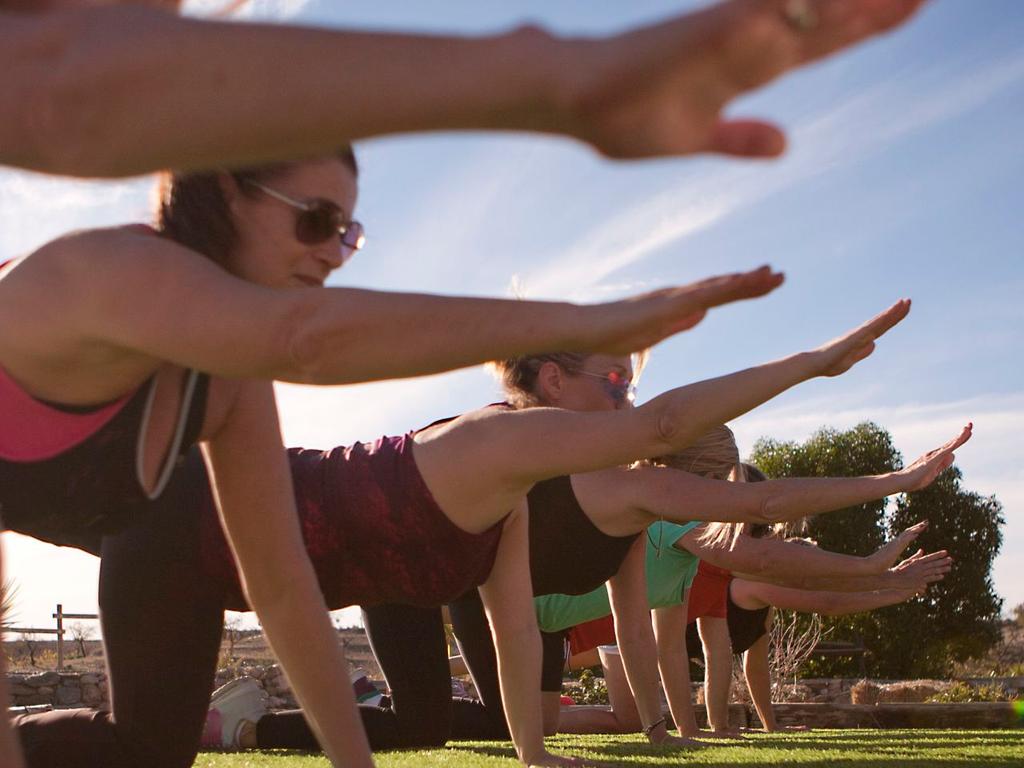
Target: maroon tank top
372, 529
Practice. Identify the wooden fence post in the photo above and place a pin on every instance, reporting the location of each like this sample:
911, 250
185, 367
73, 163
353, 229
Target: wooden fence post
60, 636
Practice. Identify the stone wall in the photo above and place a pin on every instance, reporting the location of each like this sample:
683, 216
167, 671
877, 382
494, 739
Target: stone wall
58, 689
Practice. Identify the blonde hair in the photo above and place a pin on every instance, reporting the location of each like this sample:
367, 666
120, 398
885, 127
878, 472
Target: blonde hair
715, 455
518, 375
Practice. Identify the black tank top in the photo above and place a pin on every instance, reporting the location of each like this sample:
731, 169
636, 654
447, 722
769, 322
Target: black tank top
569, 555
746, 626
93, 487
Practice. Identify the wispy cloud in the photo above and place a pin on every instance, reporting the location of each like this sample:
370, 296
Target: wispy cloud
248, 9
862, 124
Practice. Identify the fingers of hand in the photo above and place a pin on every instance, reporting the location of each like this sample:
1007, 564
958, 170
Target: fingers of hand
746, 138
840, 23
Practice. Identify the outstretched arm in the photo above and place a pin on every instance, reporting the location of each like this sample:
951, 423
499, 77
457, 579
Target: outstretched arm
83, 98
538, 443
318, 335
653, 493
753, 595
257, 509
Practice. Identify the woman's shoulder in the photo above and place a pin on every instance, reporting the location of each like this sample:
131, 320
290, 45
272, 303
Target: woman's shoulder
133, 255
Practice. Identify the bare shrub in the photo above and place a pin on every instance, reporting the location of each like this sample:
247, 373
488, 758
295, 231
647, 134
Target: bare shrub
790, 646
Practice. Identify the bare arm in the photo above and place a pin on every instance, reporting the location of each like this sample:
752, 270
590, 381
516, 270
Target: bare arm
257, 509
674, 663
757, 672
753, 595
914, 573
714, 636
772, 558
319, 335
561, 442
508, 599
83, 98
627, 592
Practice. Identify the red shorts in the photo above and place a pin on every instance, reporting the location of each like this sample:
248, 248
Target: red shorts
590, 634
709, 593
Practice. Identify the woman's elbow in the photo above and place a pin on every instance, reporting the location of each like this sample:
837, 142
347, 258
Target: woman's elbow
309, 348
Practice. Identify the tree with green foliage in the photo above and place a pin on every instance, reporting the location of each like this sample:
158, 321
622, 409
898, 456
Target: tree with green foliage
959, 617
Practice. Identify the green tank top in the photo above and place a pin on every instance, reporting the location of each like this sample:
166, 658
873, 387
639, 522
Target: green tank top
667, 578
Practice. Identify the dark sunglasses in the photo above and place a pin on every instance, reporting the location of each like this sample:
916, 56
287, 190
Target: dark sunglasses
318, 220
619, 388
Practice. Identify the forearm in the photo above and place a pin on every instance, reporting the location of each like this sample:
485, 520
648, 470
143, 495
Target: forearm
350, 335
105, 103
675, 677
300, 633
756, 670
842, 603
793, 498
714, 634
830, 584
519, 666
686, 413
639, 660
782, 561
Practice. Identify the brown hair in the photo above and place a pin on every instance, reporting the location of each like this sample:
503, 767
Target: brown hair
518, 375
192, 209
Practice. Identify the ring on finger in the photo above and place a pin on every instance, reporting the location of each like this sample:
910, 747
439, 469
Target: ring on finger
800, 15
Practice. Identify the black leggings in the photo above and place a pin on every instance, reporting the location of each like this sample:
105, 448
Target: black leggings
410, 647
162, 627
473, 634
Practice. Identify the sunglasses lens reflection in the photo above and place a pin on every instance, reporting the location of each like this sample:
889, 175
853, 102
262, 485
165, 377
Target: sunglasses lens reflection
318, 224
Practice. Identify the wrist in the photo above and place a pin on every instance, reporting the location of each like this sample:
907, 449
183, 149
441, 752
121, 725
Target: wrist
532, 758
656, 731
537, 93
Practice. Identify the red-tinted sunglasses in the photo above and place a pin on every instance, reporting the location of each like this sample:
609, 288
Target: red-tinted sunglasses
318, 220
619, 388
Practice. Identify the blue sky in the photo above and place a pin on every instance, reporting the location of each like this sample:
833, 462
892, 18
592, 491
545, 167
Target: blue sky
902, 179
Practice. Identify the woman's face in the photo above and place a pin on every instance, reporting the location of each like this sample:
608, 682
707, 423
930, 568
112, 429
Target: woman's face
269, 251
603, 384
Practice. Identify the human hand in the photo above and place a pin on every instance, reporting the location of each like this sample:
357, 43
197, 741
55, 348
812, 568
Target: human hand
914, 574
641, 321
661, 90
928, 466
679, 742
885, 556
842, 353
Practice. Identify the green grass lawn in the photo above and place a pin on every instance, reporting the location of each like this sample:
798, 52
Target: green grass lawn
853, 748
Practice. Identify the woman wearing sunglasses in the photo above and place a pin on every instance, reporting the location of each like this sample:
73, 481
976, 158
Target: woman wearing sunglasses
102, 335
421, 518
79, 97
